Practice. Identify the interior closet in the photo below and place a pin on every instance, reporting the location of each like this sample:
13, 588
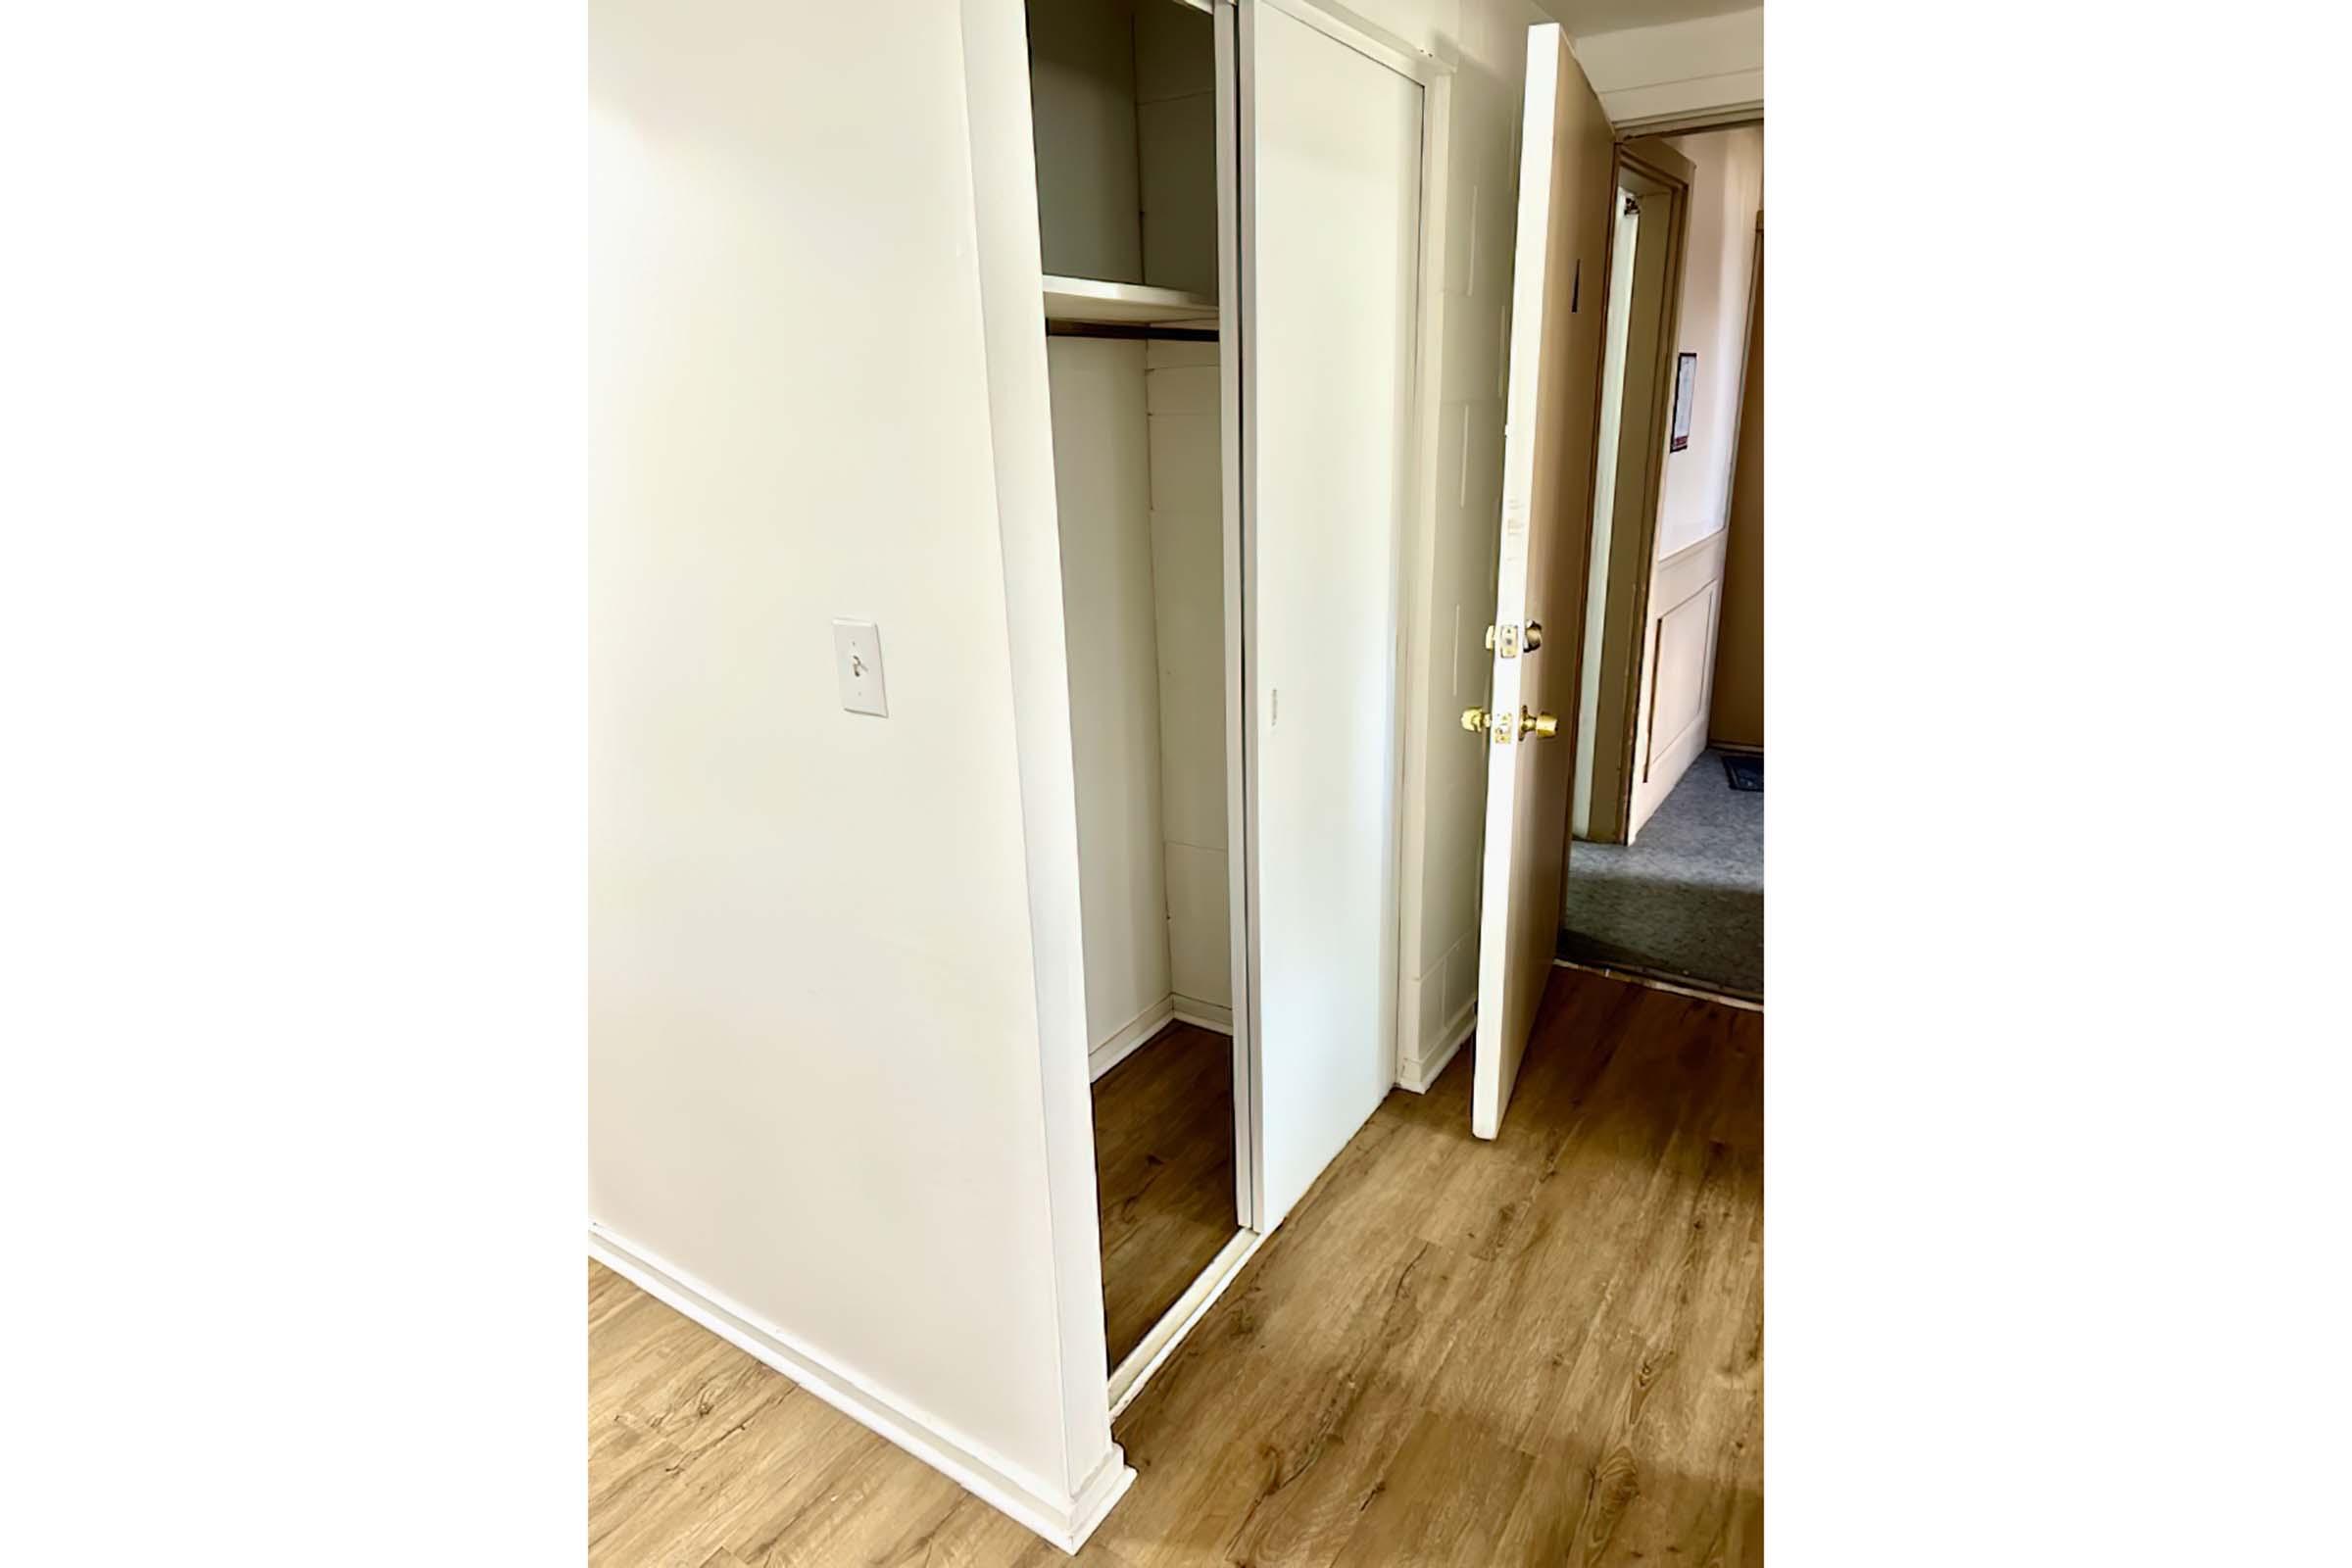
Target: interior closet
1124, 95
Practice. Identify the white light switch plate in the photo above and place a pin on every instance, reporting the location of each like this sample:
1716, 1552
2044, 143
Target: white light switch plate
858, 656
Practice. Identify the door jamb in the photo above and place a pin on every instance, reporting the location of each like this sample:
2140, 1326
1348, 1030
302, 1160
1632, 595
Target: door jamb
1235, 321
1657, 162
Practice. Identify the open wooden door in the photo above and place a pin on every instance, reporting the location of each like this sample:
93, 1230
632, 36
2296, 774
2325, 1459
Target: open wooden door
1331, 174
1558, 309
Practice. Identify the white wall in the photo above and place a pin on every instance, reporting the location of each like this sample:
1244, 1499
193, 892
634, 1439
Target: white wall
1082, 71
1188, 577
1176, 144
1449, 579
828, 952
814, 1057
1677, 69
1102, 485
1125, 104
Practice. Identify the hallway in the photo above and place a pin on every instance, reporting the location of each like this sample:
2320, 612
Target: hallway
1454, 1352
1685, 900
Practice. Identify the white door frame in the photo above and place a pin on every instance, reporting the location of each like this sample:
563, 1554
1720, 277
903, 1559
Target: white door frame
1006, 198
1241, 792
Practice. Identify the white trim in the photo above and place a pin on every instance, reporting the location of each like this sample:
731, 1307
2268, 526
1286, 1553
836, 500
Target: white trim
1009, 269
1129, 1038
1097, 1498
1415, 1074
1128, 1378
1367, 39
1416, 555
1722, 118
1236, 191
1093, 298
1067, 1522
1203, 1014
1138, 1031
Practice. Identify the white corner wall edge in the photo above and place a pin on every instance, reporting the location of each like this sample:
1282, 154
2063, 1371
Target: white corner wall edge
1006, 248
1067, 1522
1416, 1073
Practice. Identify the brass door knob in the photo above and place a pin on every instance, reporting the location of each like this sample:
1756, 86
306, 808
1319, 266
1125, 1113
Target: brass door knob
1533, 637
1545, 726
1474, 720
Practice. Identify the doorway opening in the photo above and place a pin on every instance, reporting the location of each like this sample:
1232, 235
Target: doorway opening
1232, 255
1125, 102
1666, 865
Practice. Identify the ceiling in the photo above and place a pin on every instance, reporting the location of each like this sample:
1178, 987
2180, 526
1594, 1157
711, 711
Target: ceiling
1584, 18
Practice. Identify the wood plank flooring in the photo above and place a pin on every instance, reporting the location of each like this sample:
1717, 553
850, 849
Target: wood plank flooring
1544, 1349
1164, 1174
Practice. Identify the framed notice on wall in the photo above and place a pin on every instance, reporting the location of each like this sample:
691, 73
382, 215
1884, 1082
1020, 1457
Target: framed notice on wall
1685, 380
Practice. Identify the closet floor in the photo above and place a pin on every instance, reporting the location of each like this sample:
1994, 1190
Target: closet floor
1164, 1174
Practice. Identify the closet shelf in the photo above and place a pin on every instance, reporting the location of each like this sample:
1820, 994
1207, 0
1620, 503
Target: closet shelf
1087, 299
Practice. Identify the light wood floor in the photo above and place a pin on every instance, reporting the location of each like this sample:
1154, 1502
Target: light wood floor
1163, 1175
1544, 1349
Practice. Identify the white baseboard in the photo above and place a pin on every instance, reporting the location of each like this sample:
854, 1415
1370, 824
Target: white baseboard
1417, 1073
1065, 1521
1139, 1030
1132, 1034
1205, 1014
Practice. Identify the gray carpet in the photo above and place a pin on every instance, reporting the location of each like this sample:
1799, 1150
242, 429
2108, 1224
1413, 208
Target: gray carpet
1687, 900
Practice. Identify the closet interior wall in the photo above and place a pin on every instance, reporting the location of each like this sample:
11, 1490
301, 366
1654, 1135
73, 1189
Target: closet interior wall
1124, 97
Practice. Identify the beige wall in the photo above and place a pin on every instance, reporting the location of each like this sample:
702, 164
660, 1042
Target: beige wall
1727, 191
1737, 716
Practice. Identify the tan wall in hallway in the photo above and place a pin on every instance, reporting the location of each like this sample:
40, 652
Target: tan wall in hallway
1679, 639
1738, 716
1727, 192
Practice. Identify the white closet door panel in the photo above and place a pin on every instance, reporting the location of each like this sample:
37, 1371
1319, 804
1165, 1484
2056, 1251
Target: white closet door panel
1331, 237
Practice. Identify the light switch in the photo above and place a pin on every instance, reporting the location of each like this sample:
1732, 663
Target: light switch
858, 652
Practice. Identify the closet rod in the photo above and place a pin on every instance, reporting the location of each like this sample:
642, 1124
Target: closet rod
1130, 329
